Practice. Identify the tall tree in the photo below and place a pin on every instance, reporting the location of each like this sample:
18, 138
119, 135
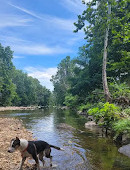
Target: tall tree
60, 80
7, 88
96, 22
104, 65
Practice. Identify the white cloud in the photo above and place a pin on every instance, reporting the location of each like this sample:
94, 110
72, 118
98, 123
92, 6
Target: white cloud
77, 38
25, 11
61, 23
75, 6
13, 39
22, 47
15, 56
13, 21
39, 49
43, 75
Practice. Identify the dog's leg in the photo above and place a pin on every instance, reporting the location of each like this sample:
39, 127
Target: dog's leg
41, 157
36, 160
47, 154
22, 162
50, 160
34, 155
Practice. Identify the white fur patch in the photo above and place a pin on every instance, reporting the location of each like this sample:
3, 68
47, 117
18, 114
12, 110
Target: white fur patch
23, 144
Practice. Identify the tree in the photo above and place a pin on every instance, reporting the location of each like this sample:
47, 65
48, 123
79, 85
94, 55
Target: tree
96, 23
104, 65
16, 87
7, 88
29, 91
60, 80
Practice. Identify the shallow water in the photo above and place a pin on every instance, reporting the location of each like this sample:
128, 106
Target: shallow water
83, 151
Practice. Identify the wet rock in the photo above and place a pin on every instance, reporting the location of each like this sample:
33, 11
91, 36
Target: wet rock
65, 126
90, 124
83, 114
125, 150
64, 108
90, 118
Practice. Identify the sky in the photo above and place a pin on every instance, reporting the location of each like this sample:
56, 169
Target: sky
40, 32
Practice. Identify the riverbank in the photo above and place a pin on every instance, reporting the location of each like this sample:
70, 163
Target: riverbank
18, 108
9, 129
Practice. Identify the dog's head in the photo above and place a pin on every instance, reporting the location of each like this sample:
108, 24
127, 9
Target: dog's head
15, 143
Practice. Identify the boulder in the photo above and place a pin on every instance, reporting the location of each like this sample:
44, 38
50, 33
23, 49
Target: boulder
90, 124
65, 126
125, 150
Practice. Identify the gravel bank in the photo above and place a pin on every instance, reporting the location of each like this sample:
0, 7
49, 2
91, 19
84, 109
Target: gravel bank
17, 108
10, 128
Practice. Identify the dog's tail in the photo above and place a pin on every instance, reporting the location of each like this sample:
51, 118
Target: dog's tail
52, 146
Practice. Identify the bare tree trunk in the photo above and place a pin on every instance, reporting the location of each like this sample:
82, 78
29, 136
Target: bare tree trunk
104, 74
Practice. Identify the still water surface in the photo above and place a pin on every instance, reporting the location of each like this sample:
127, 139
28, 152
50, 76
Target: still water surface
83, 151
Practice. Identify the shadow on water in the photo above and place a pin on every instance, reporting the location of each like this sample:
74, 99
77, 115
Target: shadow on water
83, 151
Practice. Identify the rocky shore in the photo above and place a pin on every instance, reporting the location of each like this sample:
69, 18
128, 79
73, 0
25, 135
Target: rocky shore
10, 128
18, 108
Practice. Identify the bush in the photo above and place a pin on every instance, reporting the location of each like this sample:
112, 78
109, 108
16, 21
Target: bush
105, 114
120, 93
85, 107
126, 112
71, 101
118, 90
122, 126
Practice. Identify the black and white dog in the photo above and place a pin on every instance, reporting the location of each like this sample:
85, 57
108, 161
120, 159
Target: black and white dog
32, 149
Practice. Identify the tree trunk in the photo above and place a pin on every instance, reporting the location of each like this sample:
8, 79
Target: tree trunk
104, 74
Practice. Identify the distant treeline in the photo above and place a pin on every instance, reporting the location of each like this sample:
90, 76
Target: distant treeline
16, 87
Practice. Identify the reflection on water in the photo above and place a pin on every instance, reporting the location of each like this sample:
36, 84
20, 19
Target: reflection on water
83, 151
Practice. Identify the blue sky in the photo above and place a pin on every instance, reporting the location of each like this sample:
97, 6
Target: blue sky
40, 32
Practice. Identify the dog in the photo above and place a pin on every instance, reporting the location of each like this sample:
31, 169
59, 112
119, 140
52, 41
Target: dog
33, 149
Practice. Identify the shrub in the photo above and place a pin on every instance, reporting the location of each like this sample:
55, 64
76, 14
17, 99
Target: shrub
105, 114
85, 107
121, 127
71, 101
118, 90
120, 93
126, 112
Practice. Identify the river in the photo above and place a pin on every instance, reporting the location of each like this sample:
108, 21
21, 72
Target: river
83, 151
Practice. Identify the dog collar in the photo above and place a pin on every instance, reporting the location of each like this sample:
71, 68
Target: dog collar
22, 152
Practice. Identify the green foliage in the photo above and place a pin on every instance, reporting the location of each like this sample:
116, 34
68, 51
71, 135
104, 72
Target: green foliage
105, 114
16, 87
61, 80
29, 90
8, 93
122, 127
126, 112
119, 89
71, 101
7, 88
85, 107
85, 78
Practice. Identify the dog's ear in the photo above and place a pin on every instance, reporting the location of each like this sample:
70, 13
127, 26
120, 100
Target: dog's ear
17, 138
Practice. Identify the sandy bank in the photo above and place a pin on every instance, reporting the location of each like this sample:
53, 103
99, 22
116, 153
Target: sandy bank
10, 128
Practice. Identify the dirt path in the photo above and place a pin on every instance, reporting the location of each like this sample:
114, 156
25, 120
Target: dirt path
10, 128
